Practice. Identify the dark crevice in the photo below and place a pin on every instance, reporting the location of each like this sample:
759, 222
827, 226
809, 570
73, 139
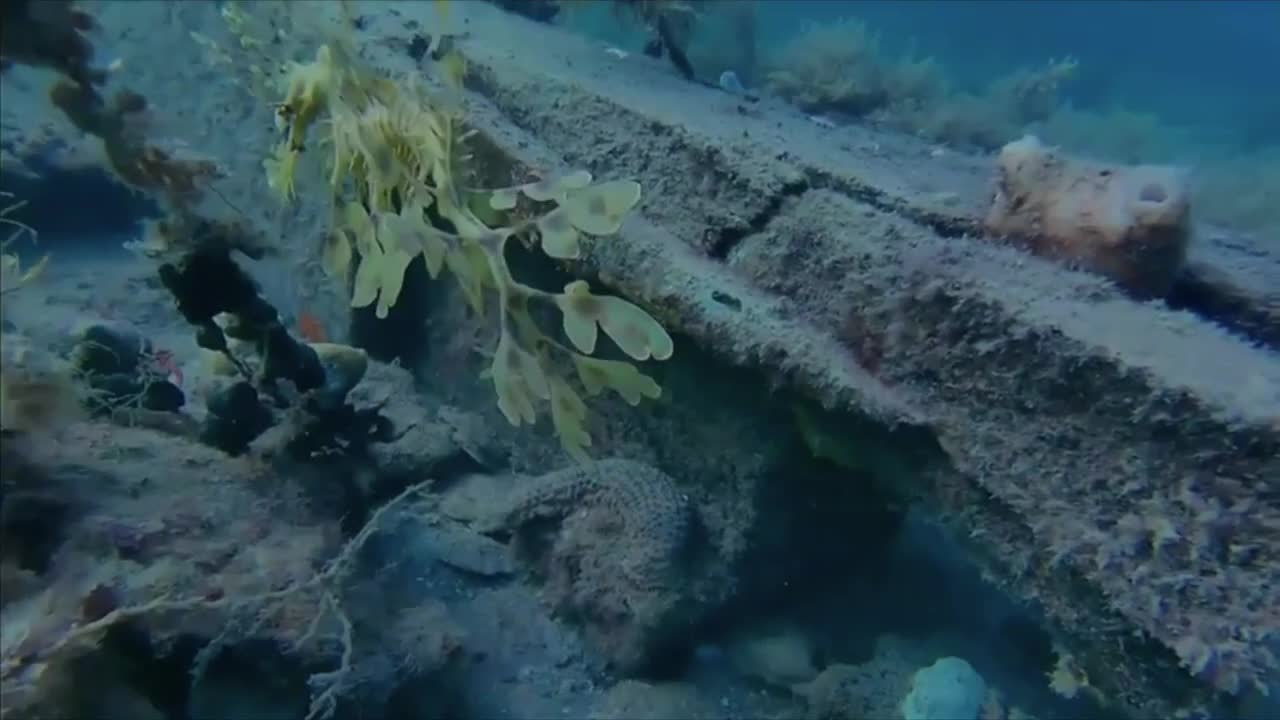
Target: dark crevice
76, 204
255, 673
720, 242
32, 528
944, 226
36, 508
400, 337
1220, 302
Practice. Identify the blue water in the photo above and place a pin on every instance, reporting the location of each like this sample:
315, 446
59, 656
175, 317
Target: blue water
1189, 83
1191, 62
1204, 63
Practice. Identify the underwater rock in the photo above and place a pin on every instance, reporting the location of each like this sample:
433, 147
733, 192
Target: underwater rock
124, 371
460, 547
49, 34
103, 350
344, 368
285, 358
420, 446
1015, 367
231, 318
469, 498
873, 689
151, 519
781, 655
1131, 224
657, 701
236, 417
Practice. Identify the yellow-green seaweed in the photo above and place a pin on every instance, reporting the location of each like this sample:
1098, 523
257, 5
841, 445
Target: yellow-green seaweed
395, 159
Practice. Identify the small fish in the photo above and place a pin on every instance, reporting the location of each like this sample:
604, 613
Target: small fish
310, 329
822, 122
620, 54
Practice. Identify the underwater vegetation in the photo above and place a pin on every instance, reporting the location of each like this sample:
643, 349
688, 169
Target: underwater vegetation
12, 275
396, 169
113, 370
842, 68
34, 394
898, 467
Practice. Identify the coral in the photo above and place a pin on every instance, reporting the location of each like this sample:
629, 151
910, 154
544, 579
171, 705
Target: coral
397, 161
654, 515
617, 562
1131, 224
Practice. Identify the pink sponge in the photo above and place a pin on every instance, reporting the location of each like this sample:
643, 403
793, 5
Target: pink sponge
1129, 223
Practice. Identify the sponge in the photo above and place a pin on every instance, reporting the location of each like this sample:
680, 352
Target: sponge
949, 689
1129, 223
